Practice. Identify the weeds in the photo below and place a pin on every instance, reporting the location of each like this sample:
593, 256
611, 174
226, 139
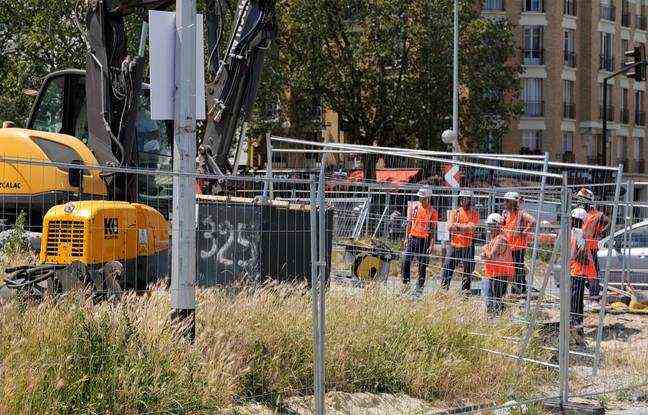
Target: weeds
71, 355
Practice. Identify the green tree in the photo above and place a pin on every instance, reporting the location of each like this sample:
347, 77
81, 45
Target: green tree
385, 66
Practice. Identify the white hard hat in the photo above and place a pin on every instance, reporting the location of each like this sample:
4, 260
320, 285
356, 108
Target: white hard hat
515, 196
585, 194
424, 192
466, 193
579, 213
494, 219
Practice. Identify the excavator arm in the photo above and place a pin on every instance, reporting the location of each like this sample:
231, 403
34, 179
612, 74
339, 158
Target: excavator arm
231, 94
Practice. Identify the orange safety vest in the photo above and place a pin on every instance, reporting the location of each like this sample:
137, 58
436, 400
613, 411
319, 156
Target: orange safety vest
500, 263
422, 219
514, 224
462, 239
577, 268
592, 229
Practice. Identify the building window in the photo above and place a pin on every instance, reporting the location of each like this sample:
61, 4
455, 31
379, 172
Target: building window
569, 7
570, 48
533, 51
494, 5
533, 6
622, 149
625, 116
533, 97
606, 57
639, 155
640, 114
625, 14
610, 108
569, 106
568, 142
532, 140
625, 46
607, 10
642, 20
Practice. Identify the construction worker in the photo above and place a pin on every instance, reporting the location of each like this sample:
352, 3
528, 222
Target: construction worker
420, 235
498, 265
581, 267
594, 226
518, 228
461, 225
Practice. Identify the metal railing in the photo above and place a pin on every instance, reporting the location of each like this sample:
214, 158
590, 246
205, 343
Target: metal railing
570, 58
606, 63
625, 116
493, 6
533, 56
640, 118
534, 108
608, 12
570, 7
569, 110
568, 157
609, 111
536, 6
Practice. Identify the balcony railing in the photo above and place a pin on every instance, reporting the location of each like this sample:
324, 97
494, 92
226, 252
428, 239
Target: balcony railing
534, 108
533, 6
640, 118
569, 7
569, 110
640, 166
626, 19
570, 58
642, 22
606, 63
607, 12
609, 111
625, 116
533, 56
493, 6
568, 157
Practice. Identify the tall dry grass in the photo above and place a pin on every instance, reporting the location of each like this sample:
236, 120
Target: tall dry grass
73, 356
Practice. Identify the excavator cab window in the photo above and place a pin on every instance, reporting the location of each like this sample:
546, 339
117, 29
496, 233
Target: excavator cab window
48, 115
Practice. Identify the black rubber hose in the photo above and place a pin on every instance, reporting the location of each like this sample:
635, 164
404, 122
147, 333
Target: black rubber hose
25, 276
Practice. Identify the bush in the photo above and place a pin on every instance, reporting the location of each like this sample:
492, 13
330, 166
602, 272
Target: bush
74, 356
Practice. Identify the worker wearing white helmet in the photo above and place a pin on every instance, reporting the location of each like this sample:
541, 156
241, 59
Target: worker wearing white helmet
420, 236
581, 267
462, 223
498, 265
594, 226
518, 228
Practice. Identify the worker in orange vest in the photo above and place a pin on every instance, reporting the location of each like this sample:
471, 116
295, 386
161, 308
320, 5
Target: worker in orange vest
518, 228
420, 235
581, 268
498, 265
594, 226
462, 223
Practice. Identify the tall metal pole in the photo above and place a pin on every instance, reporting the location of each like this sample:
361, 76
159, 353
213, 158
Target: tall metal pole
565, 292
455, 72
314, 290
605, 114
183, 255
321, 301
606, 277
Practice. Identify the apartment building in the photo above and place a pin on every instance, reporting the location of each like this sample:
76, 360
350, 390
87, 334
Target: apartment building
567, 48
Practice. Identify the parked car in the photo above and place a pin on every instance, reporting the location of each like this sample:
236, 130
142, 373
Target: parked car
637, 256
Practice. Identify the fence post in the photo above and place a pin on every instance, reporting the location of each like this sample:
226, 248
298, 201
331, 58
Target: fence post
267, 186
534, 254
606, 277
565, 292
315, 289
321, 301
630, 190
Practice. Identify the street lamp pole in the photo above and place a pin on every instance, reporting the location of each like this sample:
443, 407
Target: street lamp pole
455, 69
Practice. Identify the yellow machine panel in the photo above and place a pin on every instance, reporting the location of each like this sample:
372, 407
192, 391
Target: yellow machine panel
96, 232
33, 179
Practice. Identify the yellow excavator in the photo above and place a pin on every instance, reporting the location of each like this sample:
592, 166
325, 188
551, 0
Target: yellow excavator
104, 226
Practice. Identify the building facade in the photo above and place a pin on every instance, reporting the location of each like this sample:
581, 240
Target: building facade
567, 48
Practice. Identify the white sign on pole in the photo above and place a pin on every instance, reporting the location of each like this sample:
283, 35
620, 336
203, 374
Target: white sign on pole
162, 45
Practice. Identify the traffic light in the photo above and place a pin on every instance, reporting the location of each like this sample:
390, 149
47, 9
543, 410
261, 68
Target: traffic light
637, 55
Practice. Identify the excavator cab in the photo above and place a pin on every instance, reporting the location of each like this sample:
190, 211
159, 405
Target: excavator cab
61, 108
